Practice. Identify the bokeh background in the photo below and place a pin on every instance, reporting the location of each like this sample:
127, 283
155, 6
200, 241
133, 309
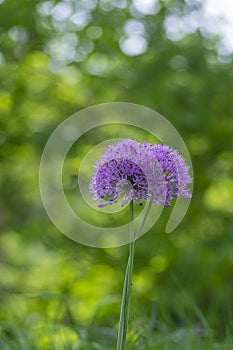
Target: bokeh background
58, 57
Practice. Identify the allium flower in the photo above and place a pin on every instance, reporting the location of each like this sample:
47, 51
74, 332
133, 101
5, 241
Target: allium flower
175, 170
118, 178
129, 171
132, 172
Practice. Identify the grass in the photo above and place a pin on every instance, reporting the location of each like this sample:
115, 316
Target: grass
65, 338
81, 312
155, 333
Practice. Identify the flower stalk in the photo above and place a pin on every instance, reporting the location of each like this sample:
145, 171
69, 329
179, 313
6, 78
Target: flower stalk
130, 172
127, 289
126, 294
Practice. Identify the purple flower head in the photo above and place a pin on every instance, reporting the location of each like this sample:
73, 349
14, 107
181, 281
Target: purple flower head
175, 170
129, 171
120, 178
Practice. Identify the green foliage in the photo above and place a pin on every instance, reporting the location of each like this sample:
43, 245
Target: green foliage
56, 294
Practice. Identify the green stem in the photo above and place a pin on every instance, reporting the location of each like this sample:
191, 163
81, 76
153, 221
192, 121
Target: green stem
126, 295
131, 261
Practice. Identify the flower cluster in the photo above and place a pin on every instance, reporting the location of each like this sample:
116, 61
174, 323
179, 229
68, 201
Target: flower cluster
130, 170
176, 172
118, 178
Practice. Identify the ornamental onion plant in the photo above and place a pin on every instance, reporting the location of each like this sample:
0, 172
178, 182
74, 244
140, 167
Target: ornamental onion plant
133, 172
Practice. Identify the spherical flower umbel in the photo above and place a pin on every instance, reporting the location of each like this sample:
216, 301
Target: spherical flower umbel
175, 170
120, 178
130, 171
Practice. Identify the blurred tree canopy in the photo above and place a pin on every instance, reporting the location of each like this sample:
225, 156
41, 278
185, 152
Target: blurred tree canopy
58, 57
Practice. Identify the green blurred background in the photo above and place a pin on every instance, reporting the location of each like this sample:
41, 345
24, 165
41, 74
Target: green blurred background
58, 57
